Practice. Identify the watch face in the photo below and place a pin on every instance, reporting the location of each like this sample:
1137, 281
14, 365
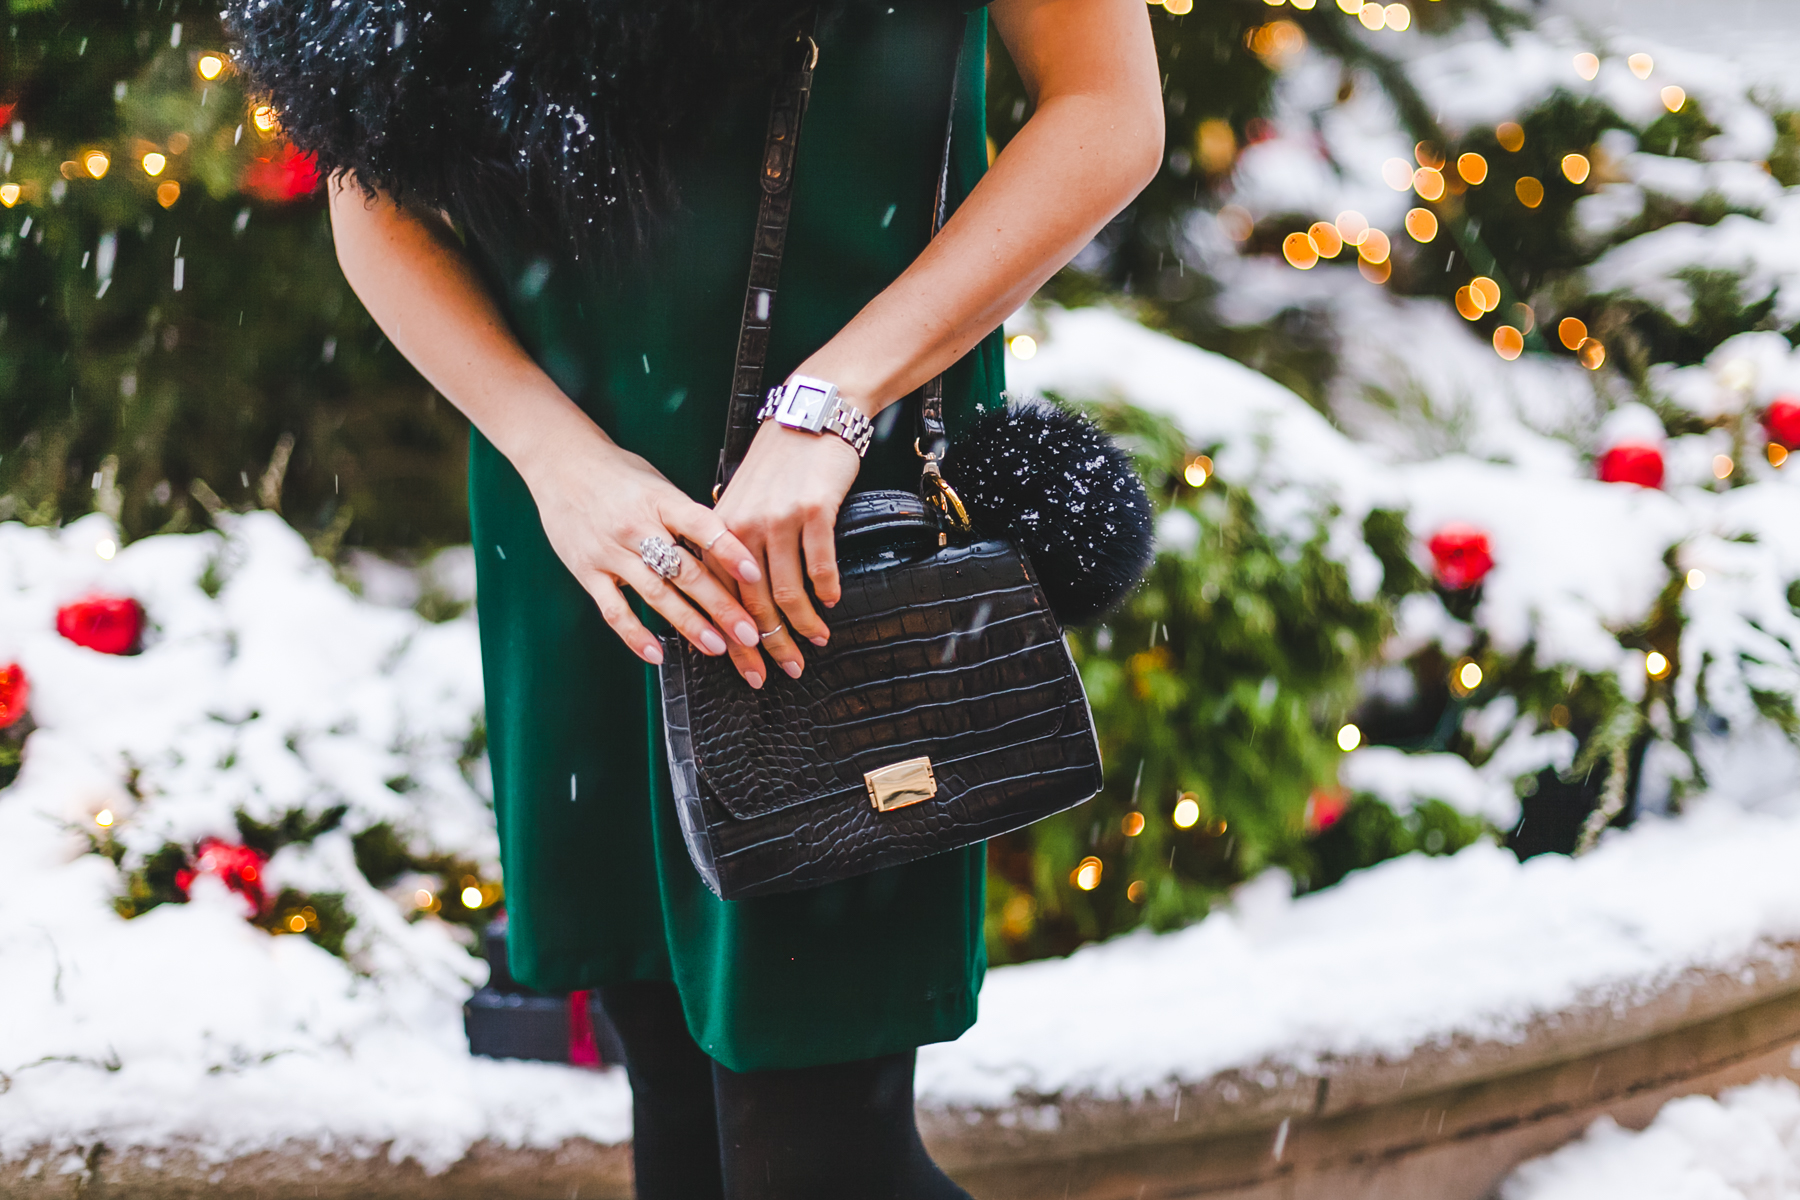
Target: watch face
803, 405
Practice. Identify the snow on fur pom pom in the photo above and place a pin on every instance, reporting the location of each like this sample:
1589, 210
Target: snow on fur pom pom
1067, 496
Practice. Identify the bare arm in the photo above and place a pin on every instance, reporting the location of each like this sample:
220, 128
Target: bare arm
413, 278
1092, 143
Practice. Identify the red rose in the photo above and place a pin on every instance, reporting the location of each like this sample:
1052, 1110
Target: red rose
1325, 808
284, 175
109, 624
1782, 420
15, 694
1460, 556
1633, 462
239, 867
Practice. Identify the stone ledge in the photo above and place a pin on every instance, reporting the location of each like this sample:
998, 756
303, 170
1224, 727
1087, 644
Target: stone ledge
1443, 1123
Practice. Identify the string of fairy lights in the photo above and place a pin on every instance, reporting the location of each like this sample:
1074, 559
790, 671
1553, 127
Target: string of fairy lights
1431, 176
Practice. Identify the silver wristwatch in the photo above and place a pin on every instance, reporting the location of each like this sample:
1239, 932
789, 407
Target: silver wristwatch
815, 406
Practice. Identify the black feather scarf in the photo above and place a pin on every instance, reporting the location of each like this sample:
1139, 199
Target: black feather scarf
555, 122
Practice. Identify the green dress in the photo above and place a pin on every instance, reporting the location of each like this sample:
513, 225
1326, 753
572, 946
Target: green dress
599, 886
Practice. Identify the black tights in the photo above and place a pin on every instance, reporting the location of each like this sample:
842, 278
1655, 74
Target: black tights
702, 1132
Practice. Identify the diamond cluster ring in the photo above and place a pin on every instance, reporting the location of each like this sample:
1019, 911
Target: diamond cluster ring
660, 556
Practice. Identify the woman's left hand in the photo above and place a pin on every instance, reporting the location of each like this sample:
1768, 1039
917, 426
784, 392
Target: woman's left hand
782, 504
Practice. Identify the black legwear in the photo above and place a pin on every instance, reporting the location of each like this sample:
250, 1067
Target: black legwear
838, 1132
675, 1132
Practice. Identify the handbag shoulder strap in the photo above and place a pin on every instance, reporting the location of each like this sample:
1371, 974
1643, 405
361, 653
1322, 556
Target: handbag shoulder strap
774, 209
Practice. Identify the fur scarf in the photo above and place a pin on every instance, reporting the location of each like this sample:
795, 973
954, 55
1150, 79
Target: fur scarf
554, 121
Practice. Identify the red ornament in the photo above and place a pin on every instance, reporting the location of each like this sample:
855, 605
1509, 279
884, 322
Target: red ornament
109, 624
1325, 808
584, 1048
15, 694
1633, 462
284, 175
1460, 556
239, 867
1782, 420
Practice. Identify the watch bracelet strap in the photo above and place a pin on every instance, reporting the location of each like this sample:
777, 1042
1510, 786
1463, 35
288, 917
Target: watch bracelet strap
853, 425
774, 209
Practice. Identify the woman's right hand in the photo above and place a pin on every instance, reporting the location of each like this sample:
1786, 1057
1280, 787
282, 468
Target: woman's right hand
598, 503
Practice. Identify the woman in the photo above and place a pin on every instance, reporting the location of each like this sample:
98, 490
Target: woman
595, 367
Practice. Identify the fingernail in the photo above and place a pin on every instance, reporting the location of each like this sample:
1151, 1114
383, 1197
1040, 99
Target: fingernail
753, 678
652, 654
819, 641
792, 668
831, 604
748, 573
746, 633
712, 642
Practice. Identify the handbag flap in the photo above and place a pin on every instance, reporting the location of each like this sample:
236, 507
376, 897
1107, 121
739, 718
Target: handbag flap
947, 656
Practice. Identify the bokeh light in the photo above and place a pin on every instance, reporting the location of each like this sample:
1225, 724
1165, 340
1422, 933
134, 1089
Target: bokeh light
1422, 224
1187, 811
1509, 343
1529, 191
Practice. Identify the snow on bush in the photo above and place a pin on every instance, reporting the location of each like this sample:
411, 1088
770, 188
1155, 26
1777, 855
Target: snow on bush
1744, 1144
265, 688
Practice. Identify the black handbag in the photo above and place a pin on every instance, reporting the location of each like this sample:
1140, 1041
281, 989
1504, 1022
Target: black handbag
946, 708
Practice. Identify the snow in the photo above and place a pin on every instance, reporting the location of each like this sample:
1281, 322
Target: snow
189, 1026
1743, 1146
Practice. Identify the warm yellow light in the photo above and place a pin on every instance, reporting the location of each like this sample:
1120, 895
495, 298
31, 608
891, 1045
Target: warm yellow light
1511, 136
1132, 824
264, 118
1485, 292
1139, 889
9, 194
1375, 247
1467, 676
1641, 65
1353, 7
1353, 227
106, 548
1696, 579
297, 923
1591, 354
1422, 224
1509, 343
1372, 15
1087, 875
1777, 453
1023, 346
1428, 156
1572, 331
471, 897
1374, 272
1587, 65
95, 162
422, 898
104, 818
1429, 183
1466, 305
1180, 8
1575, 168
1187, 811
154, 163
168, 192
1399, 17
1298, 249
1325, 239
1529, 191
1656, 664
1722, 466
209, 66
1397, 173
1473, 168
1349, 738
1198, 471
1673, 98
1215, 145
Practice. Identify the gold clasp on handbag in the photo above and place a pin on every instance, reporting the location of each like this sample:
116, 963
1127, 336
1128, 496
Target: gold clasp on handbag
901, 784
940, 495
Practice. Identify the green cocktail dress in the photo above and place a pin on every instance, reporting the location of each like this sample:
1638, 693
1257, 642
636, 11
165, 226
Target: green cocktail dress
598, 883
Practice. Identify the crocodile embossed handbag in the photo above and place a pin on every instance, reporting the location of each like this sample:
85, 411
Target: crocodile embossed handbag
946, 708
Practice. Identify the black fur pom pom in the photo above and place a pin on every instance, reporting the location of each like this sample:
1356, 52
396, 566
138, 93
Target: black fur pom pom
1066, 495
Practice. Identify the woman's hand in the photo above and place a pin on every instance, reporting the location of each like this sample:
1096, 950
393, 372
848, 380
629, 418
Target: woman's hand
598, 503
782, 506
